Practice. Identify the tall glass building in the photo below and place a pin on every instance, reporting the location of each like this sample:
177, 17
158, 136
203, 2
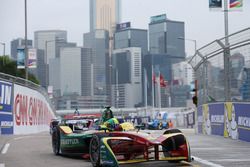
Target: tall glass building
104, 14
126, 77
98, 40
164, 36
131, 37
165, 49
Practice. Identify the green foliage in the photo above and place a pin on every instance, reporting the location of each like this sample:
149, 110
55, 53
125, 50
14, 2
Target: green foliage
9, 66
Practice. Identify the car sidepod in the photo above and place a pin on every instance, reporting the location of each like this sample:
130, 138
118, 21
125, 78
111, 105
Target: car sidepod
64, 141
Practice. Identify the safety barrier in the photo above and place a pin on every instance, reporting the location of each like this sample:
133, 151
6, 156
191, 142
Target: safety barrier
229, 119
24, 106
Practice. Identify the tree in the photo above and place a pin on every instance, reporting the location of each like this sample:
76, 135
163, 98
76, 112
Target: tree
9, 66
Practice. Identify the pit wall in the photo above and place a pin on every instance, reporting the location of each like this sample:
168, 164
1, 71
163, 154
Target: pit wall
23, 110
228, 119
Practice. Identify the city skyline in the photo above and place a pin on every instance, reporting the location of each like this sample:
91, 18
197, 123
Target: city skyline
74, 18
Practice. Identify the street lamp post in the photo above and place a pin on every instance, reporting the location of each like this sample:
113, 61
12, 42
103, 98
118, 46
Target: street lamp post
3, 50
196, 111
193, 40
46, 57
25, 47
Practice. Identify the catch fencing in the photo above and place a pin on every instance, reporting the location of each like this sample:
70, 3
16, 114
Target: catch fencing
222, 71
218, 80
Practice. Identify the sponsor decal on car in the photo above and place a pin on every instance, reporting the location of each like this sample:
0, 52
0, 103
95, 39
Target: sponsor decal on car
69, 141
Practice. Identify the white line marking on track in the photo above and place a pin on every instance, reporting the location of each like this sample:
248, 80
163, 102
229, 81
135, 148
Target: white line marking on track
5, 148
232, 160
205, 162
24, 137
2, 165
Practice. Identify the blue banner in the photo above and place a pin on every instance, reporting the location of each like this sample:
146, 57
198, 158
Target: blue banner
200, 119
20, 58
242, 112
6, 117
216, 112
231, 120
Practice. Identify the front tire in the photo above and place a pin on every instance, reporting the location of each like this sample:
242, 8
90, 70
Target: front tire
56, 141
94, 151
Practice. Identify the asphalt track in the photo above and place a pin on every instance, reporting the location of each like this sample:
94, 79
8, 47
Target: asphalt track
35, 151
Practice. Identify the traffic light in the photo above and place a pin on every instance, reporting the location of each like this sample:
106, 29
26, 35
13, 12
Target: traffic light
195, 100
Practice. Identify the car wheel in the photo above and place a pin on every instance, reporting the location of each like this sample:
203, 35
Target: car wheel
94, 151
56, 141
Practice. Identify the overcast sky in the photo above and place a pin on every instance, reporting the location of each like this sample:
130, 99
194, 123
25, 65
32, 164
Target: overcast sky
73, 16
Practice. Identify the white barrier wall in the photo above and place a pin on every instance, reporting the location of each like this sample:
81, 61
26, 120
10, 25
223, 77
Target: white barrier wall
31, 111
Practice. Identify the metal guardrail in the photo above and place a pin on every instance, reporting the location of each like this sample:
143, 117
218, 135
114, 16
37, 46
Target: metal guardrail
208, 63
29, 84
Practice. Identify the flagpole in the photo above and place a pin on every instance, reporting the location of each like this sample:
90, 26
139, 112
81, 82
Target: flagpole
159, 90
153, 92
145, 89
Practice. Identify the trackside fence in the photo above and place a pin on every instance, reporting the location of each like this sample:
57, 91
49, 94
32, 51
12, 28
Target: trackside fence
223, 76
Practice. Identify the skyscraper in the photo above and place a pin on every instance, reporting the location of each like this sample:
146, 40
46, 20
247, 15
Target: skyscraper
98, 40
104, 14
126, 77
49, 41
71, 78
131, 37
164, 36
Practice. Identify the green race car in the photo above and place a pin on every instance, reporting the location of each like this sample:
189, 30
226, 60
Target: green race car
110, 143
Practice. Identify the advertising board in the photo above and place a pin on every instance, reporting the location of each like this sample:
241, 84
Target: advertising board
6, 117
31, 111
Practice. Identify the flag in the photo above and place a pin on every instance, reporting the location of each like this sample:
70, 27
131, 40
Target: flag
32, 58
162, 81
236, 4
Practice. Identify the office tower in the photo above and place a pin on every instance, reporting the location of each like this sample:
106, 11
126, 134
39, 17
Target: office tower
165, 45
164, 36
87, 73
49, 41
130, 37
104, 14
98, 41
54, 69
18, 43
71, 70
126, 77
